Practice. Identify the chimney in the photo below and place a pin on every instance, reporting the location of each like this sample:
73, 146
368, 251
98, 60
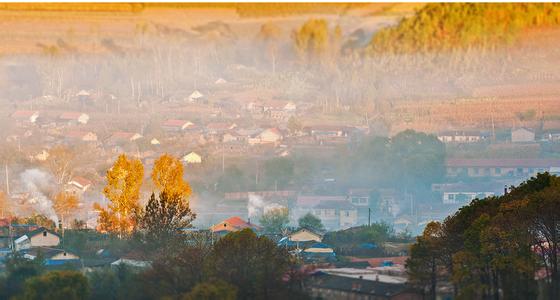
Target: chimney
505, 190
249, 221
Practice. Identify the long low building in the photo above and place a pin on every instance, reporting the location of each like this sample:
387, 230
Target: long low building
500, 167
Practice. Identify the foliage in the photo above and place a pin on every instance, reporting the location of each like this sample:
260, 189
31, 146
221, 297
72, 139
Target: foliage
278, 172
36, 219
65, 203
57, 285
409, 160
18, 269
233, 180
423, 264
164, 219
124, 180
275, 220
311, 222
312, 40
167, 176
177, 272
377, 233
255, 265
493, 247
115, 283
294, 125
450, 26
217, 290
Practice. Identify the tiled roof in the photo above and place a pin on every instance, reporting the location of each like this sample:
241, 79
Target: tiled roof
512, 163
70, 115
24, 113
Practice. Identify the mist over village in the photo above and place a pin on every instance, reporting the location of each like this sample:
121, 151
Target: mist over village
279, 151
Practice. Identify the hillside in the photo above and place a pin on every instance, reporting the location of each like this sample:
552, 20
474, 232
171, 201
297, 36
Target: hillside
451, 26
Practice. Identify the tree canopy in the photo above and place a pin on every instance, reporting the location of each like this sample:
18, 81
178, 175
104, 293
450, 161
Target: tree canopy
493, 247
451, 26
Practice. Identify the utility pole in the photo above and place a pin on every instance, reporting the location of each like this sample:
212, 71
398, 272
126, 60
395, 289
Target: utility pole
369, 217
7, 180
223, 159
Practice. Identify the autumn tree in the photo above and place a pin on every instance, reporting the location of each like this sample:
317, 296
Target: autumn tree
65, 204
124, 180
423, 263
311, 222
294, 125
167, 176
275, 220
312, 40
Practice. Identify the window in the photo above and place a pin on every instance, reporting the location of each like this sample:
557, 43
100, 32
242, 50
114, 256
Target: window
45, 233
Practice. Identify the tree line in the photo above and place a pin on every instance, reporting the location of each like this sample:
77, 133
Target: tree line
452, 26
500, 247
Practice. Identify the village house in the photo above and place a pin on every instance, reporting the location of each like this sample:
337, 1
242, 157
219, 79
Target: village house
83, 136
336, 214
305, 235
121, 137
464, 193
522, 135
506, 168
26, 116
192, 158
219, 127
195, 96
461, 136
551, 136
79, 184
73, 118
40, 237
174, 125
346, 283
52, 256
231, 225
267, 136
359, 197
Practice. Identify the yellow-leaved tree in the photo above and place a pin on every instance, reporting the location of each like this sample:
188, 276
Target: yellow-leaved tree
65, 204
124, 181
167, 176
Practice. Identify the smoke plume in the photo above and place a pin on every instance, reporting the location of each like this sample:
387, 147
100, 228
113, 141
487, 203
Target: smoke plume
37, 183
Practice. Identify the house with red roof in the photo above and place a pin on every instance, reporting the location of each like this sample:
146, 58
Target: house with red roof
219, 127
121, 137
74, 117
233, 224
84, 136
30, 116
176, 125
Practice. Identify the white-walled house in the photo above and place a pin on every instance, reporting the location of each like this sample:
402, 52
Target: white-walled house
192, 158
522, 135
